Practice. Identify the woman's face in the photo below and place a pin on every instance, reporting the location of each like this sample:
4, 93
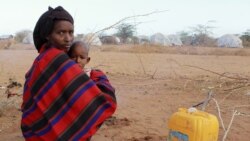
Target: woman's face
62, 35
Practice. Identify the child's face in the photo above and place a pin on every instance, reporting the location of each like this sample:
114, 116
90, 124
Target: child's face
80, 55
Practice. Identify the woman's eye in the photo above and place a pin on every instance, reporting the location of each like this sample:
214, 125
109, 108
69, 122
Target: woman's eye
60, 33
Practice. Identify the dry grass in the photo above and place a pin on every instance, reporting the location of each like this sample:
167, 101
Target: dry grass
5, 44
13, 45
188, 50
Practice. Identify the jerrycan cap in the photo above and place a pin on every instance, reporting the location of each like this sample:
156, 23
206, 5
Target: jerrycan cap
192, 110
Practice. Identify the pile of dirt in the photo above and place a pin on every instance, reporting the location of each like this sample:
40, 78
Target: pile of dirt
10, 98
115, 122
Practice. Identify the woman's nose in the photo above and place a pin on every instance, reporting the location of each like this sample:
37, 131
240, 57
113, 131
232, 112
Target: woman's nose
68, 37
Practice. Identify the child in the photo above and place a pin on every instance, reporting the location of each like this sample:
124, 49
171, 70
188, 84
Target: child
79, 53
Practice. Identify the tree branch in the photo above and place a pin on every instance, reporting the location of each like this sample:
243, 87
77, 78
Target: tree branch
127, 18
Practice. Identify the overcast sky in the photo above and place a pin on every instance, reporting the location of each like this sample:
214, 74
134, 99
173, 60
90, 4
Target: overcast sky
231, 16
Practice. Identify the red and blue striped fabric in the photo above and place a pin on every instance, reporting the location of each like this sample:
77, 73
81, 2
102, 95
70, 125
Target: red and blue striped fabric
61, 102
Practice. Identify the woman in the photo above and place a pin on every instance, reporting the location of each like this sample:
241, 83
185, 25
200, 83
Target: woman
60, 102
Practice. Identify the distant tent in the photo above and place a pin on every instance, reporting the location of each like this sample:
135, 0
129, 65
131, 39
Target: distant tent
129, 40
174, 40
143, 39
92, 39
132, 40
6, 37
159, 39
28, 39
229, 40
108, 39
79, 37
117, 40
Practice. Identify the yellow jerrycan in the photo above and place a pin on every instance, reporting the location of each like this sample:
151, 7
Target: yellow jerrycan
193, 125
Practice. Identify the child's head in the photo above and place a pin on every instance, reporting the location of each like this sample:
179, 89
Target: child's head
79, 53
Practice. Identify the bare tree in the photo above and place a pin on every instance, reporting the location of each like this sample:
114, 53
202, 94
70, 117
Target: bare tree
245, 37
201, 34
124, 31
20, 35
185, 37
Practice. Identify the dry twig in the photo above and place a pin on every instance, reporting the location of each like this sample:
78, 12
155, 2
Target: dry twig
229, 126
127, 18
222, 75
139, 58
219, 114
91, 38
154, 73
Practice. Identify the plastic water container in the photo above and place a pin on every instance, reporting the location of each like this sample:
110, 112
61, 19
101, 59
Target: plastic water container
193, 125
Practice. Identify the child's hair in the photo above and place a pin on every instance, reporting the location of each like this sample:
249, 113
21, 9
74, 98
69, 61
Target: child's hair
76, 43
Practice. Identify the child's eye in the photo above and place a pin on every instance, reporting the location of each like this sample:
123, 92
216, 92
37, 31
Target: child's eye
82, 57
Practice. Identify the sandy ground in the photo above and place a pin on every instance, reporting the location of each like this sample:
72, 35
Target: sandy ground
149, 87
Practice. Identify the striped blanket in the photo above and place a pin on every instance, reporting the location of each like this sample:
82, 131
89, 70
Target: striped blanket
61, 102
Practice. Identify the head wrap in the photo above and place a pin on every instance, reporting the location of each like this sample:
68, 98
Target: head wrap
45, 24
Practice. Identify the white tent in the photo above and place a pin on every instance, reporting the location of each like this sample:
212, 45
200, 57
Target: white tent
92, 39
117, 40
143, 39
28, 39
229, 40
159, 39
109, 39
174, 40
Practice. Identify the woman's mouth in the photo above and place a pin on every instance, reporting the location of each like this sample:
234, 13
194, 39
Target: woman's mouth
66, 47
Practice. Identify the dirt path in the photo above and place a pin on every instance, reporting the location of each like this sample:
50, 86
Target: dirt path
144, 104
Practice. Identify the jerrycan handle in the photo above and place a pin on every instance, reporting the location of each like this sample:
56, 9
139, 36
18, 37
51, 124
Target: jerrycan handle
192, 110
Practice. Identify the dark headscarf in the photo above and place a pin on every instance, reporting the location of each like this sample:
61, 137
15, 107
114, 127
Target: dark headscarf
45, 24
